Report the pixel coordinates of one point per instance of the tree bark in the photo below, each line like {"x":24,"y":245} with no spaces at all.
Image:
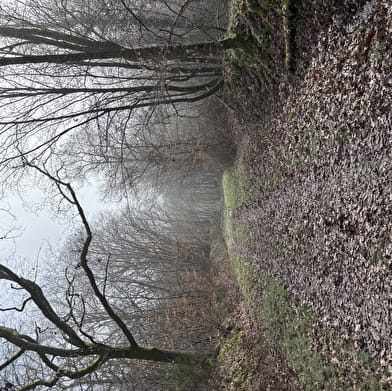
{"x":157,"y":355}
{"x":172,"y":52}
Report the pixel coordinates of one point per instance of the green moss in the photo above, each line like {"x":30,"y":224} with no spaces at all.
{"x":231,"y":344}
{"x":230,"y":191}
{"x":290,"y":15}
{"x":237,"y":371}
{"x":238,"y":185}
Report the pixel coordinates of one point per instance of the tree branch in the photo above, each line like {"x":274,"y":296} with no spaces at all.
{"x":83,"y":257}
{"x":42,"y":303}
{"x":12,"y":359}
{"x":27,"y":343}
{"x":61,"y":372}
{"x":15,"y":308}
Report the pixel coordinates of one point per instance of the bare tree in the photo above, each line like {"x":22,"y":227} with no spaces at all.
{"x":165,"y":146}
{"x":71,"y":352}
{"x":148,"y":261}
{"x":66,"y":68}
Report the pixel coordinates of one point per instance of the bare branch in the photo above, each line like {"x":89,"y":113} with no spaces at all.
{"x":42,"y":303}
{"x":61,"y":372}
{"x":15,"y":308}
{"x":83,"y":257}
{"x":106,"y":273}
{"x":27,"y":343}
{"x":12,"y":359}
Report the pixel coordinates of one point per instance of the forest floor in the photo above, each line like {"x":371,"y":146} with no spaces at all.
{"x":308,"y":220}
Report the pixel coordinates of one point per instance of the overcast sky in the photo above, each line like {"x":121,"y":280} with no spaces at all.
{"x":38,"y":230}
{"x":38,"y":224}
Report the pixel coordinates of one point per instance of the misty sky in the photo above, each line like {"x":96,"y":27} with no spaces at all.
{"x":38,"y":225}
{"x":38,"y":231}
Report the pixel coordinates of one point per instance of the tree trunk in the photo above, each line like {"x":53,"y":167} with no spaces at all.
{"x":157,"y":355}
{"x":173,"y":52}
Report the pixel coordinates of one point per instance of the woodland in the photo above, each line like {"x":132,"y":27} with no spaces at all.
{"x":245,"y":149}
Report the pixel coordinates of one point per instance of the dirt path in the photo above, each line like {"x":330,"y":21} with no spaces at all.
{"x":323,"y":160}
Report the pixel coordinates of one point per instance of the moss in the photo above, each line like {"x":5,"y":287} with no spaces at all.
{"x":232,"y":342}
{"x":237,"y":371}
{"x":238,"y":186}
{"x":290,"y":15}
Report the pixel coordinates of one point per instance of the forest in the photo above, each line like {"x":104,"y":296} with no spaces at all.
{"x":111,"y":92}
{"x":221,"y":172}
